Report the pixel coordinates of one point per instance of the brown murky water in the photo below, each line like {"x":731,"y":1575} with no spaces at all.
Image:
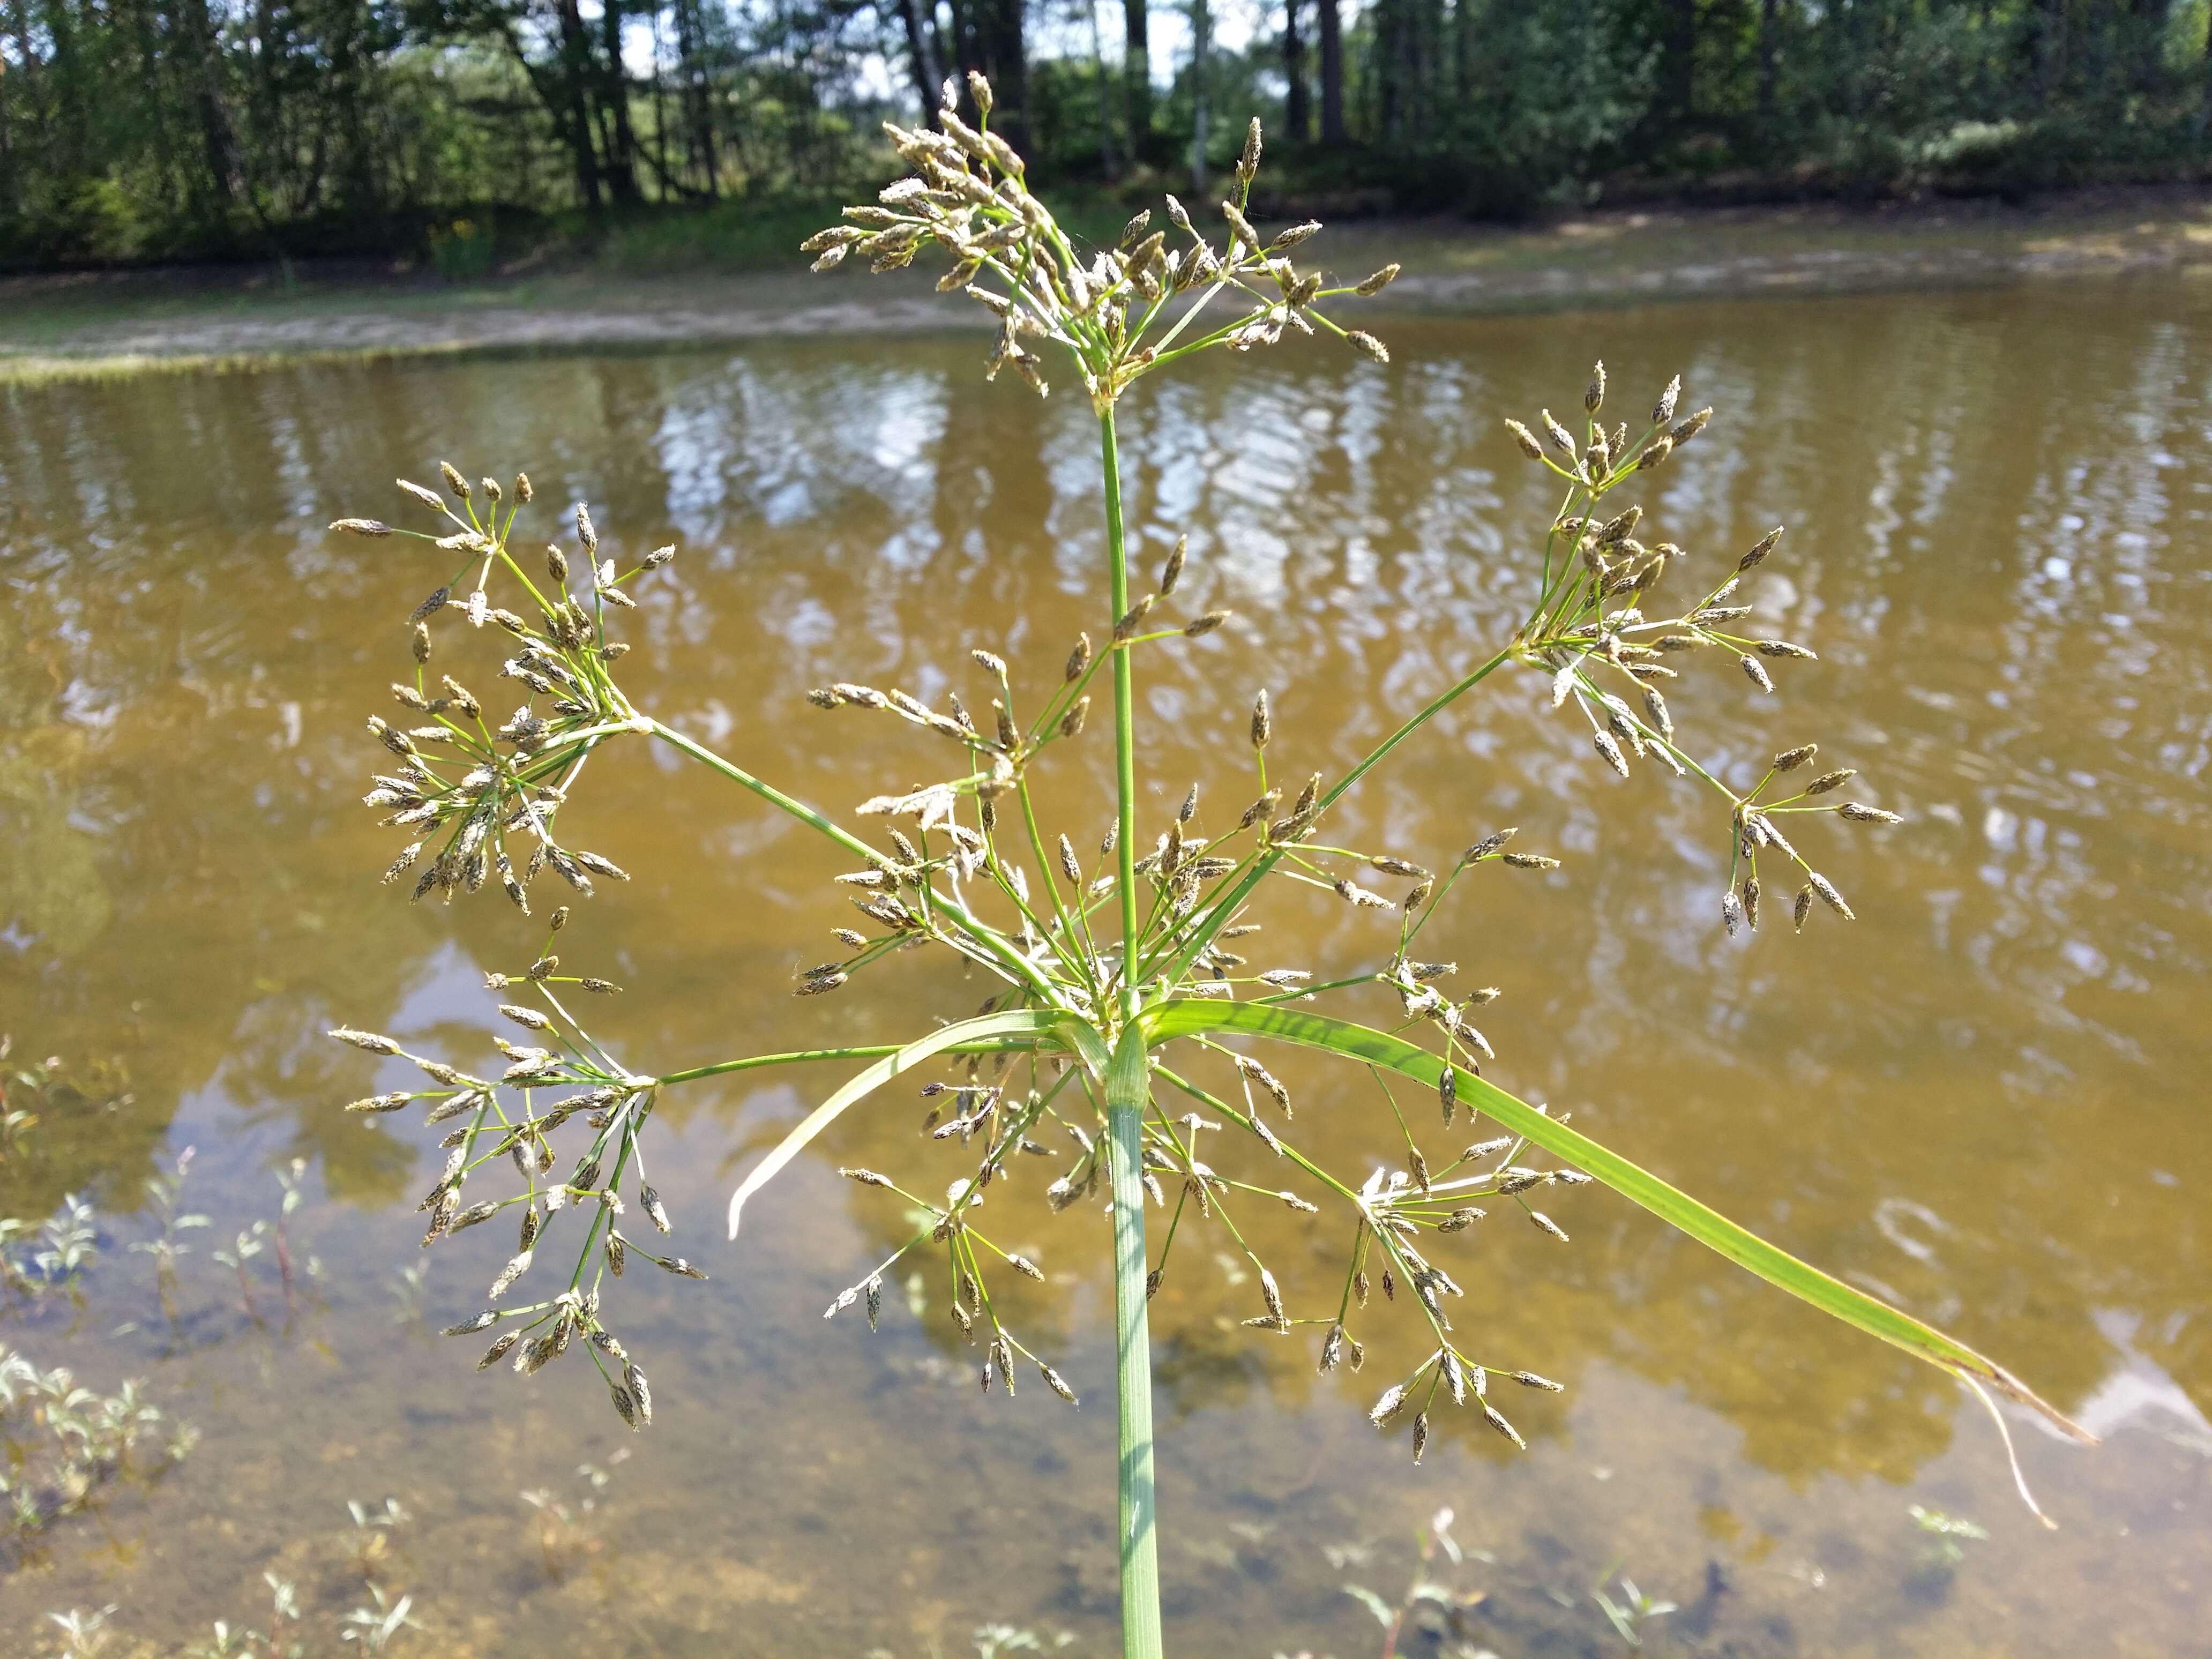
{"x":1984,"y":1100}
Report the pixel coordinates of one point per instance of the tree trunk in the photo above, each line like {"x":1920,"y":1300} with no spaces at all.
{"x":669,"y":183}
{"x":698,"y":97}
{"x":1107,"y":158}
{"x":1679,"y":62}
{"x":2146,"y":48}
{"x":1201,"y":48}
{"x":1769,"y":66}
{"x":1295,"y":113}
{"x":206,"y":73}
{"x":962,"y":59}
{"x":7,"y":134}
{"x":622,"y":138}
{"x":1137,"y":75}
{"x":351,"y":57}
{"x":1332,"y":76}
{"x":2204,"y":97}
{"x":572,"y":110}
{"x":1000,"y":47}
{"x":2050,"y":45}
{"x":922,"y":56}
{"x":1390,"y":69}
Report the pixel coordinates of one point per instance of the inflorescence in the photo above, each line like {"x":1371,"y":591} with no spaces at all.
{"x":965,"y":863}
{"x":1120,"y":313}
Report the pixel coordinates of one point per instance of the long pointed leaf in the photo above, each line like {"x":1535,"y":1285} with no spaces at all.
{"x":991,"y":1031}
{"x":1193,"y":1017}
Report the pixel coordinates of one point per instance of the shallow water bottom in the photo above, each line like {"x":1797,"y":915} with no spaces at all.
{"x":1968,"y":1101}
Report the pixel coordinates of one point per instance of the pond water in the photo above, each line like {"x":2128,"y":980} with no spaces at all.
{"x":1985,"y":1100}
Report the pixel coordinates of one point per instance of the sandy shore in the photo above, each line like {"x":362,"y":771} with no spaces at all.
{"x":72,"y":326}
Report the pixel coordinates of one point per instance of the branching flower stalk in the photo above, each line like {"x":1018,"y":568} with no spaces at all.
{"x":1120,"y":1033}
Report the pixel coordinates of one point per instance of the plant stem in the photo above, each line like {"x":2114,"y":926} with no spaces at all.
{"x":1125,"y":717}
{"x":866,"y":1051}
{"x":1127,"y":1091}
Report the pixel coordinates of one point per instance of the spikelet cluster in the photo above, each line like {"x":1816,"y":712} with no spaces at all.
{"x":1601,"y":636}
{"x":965,"y":866}
{"x":566,"y":1121}
{"x":1158,"y":296}
{"x":477,"y":795}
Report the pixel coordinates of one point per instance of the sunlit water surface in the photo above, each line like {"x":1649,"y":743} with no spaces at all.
{"x":1984,"y":1100}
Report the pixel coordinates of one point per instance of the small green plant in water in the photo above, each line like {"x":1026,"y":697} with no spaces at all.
{"x":244,"y":1249}
{"x":568,"y":1530}
{"x":1431,"y":1604}
{"x":84,"y":1632}
{"x":1128,"y":1021}
{"x":165,"y":1192}
{"x":376,"y":1628}
{"x":373,"y":1529}
{"x":1942,"y":1552}
{"x":1629,"y":1614}
{"x":229,"y":1641}
{"x":62,"y":1444}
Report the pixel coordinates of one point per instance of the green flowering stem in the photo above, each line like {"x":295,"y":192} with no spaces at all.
{"x":1126,"y":1092}
{"x":801,"y":1056}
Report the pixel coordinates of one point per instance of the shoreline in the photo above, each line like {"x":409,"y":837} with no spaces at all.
{"x":103,"y":326}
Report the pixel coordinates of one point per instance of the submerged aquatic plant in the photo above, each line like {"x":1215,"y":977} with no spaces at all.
{"x":1127,"y":1020}
{"x":62,"y":1443}
{"x":1431,"y":1604}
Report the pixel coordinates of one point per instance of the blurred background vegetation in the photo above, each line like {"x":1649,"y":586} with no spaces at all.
{"x":464,"y":136}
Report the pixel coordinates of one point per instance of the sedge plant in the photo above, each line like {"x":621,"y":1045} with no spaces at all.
{"x":1127,"y":1023}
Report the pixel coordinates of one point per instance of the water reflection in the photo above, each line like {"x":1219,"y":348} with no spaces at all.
{"x":1977,"y":1099}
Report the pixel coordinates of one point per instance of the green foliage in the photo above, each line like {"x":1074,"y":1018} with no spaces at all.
{"x":351,"y":126}
{"x":463,"y":249}
{"x":753,"y":233}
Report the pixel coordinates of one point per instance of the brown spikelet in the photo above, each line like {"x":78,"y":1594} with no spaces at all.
{"x":1171,"y":572}
{"x":1760,"y":549}
{"x":1829,"y":896}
